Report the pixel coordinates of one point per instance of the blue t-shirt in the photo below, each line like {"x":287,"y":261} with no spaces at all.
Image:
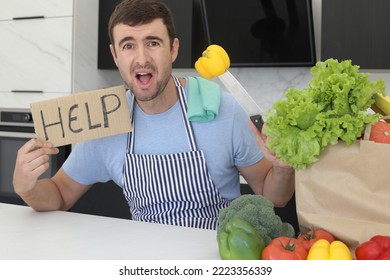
{"x":227,"y":142}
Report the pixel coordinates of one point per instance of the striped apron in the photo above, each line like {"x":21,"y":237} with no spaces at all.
{"x":173,"y":189}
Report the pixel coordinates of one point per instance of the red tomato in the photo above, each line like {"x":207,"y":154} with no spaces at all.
{"x":377,"y":248}
{"x":284,"y":248}
{"x":309,"y":238}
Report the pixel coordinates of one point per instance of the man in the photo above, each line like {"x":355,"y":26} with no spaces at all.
{"x":171,"y":170}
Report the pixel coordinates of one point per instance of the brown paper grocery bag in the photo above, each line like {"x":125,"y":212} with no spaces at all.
{"x":347,"y":192}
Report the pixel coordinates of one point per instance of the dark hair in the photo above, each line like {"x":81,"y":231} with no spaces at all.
{"x":135,"y":12}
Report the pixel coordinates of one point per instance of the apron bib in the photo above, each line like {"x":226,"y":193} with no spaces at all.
{"x":173,"y":189}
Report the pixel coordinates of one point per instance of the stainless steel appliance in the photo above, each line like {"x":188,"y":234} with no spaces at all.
{"x":16,"y":128}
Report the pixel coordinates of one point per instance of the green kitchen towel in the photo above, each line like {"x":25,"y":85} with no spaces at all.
{"x":204,"y":97}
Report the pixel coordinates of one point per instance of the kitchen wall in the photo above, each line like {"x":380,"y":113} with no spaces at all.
{"x":265,"y":85}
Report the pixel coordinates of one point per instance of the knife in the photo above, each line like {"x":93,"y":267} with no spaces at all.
{"x":243,"y":98}
{"x":215,"y":62}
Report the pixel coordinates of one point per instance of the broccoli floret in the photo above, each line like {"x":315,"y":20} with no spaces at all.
{"x":258,"y":211}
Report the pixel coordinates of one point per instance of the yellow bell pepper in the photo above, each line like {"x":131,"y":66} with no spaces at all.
{"x":213,"y":62}
{"x":324,"y":250}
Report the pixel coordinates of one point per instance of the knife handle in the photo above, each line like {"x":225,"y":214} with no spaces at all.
{"x":258,"y":121}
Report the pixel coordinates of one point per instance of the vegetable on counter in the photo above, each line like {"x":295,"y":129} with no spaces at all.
{"x":333,"y":107}
{"x":324,"y":250}
{"x":240,"y":241}
{"x":377,"y":248}
{"x":284,"y":248}
{"x":309,"y":238}
{"x":213,"y":62}
{"x":260,"y":213}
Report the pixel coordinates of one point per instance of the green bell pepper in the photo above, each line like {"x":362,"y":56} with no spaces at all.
{"x":239,"y":242}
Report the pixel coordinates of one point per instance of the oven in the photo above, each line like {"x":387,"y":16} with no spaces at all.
{"x":16,"y":128}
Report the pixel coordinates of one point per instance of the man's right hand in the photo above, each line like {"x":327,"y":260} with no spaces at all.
{"x":31,"y":162}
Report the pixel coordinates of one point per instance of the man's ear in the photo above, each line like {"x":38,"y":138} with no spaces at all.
{"x":175,"y":49}
{"x":113,"y":53}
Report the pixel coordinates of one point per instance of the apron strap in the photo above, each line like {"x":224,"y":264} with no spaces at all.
{"x":187,"y":123}
{"x":130,"y":135}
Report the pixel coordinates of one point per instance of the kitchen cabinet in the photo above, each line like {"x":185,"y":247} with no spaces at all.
{"x":36,"y":49}
{"x":356,"y":30}
{"x":26,"y":8}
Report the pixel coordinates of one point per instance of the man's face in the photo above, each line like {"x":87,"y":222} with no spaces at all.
{"x":144,"y":57}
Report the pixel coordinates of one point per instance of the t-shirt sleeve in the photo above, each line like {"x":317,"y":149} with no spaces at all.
{"x":85,"y":165}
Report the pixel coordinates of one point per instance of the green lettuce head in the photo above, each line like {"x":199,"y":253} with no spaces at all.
{"x":333,"y":107}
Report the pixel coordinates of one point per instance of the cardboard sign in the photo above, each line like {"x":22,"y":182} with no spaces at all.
{"x":82,"y":116}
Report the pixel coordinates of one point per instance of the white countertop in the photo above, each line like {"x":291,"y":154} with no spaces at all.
{"x":26,"y":234}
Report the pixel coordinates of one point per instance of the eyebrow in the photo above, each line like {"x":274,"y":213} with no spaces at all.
{"x":131,"y":38}
{"x":125,"y":39}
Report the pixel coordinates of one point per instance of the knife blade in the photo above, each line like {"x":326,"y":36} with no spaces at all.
{"x":249,"y":105}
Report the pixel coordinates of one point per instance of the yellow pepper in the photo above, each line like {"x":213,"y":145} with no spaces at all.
{"x":213,"y":62}
{"x":324,"y":250}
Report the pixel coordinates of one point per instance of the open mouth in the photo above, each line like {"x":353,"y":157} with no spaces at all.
{"x":144,"y":78}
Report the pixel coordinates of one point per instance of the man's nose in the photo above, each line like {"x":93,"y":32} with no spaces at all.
{"x":142,"y":56}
